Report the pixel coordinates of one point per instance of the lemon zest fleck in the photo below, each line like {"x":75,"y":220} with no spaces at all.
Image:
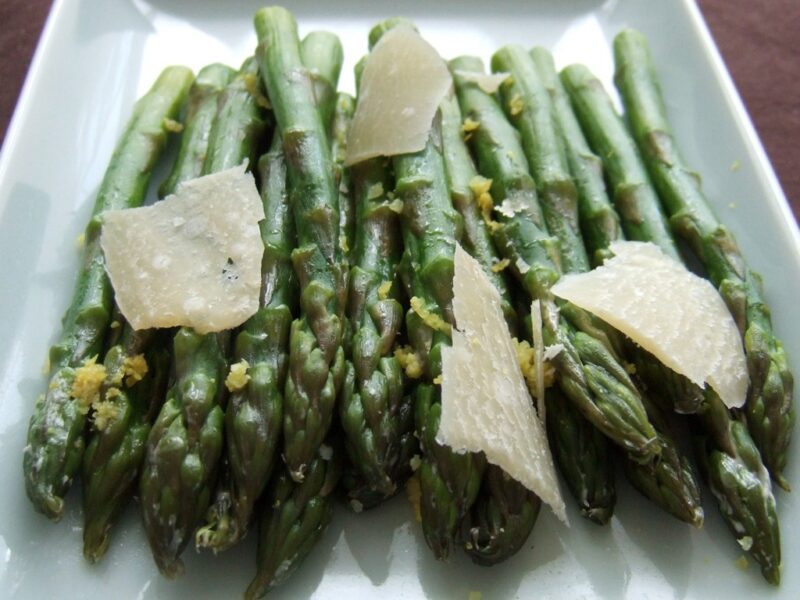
{"x":428,"y":317}
{"x":134,"y":368}
{"x":384,"y":289}
{"x":86,"y":385}
{"x":500,"y":265}
{"x":237,"y":378}
{"x":409,"y":361}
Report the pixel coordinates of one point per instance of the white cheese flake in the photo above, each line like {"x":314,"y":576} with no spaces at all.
{"x":669,"y":311}
{"x":488,"y":83}
{"x":193,"y":259}
{"x":486,"y":406}
{"x":404,"y":81}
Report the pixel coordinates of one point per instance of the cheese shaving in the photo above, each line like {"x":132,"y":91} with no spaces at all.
{"x":672,"y":313}
{"x":238,"y":377}
{"x":403,"y":82}
{"x":486,"y":406}
{"x":538,"y":355}
{"x":193,"y":259}
{"x":515,"y":105}
{"x":489,"y":83}
{"x":173,"y":126}
{"x":428,"y":317}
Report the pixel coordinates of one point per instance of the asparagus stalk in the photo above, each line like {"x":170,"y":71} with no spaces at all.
{"x":185,"y":444}
{"x":572,"y":438}
{"x":504,"y":512}
{"x":345,"y":107}
{"x":201,"y":109}
{"x":599,"y":221}
{"x":634,"y":198}
{"x":316,"y":357}
{"x":253,"y":418}
{"x":589,"y":374}
{"x":55,"y":441}
{"x":449,"y":482}
{"x":668,"y":480}
{"x":728,"y":457}
{"x":131,"y":397}
{"x":377,"y":417}
{"x":322,"y":54}
{"x":527,"y":106}
{"x":115,"y":452}
{"x":769,"y":409}
{"x":295,"y":516}
{"x":476,"y":238}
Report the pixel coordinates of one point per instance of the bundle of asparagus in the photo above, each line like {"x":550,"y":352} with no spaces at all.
{"x":335,"y":381}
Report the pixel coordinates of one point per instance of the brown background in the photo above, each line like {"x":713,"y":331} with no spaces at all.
{"x":759,"y":40}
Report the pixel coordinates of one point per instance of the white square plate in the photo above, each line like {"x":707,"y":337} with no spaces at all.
{"x":96,"y":58}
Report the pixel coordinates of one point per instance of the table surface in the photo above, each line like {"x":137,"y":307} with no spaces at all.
{"x":757,"y":39}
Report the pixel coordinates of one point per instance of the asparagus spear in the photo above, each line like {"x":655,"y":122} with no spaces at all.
{"x":295,"y":516}
{"x":115,"y":453}
{"x":316,"y":357}
{"x":322,"y":54}
{"x":185,"y":443}
{"x":634,"y":198}
{"x":253,"y":418}
{"x":55,"y":441}
{"x":589,"y":374}
{"x":476,"y":238}
{"x":137,"y":365}
{"x":201,"y":109}
{"x":528,"y":107}
{"x":345,"y":107}
{"x":504,"y":512}
{"x":449,"y":482}
{"x":730,"y":463}
{"x":668,"y":480}
{"x":769,"y":409}
{"x":376,"y":417}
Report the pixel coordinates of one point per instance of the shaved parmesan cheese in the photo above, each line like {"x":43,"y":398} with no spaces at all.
{"x":404,"y":81}
{"x":670,"y":312}
{"x":488,"y":83}
{"x":485,"y":402}
{"x":193,"y":259}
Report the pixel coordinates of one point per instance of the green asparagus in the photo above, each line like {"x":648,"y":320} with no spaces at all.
{"x":295,"y":516}
{"x":137,"y":365}
{"x":316,"y":357}
{"x":589,"y":373}
{"x":669,"y":479}
{"x":731,"y":464}
{"x":769,"y":409}
{"x":185,"y":444}
{"x":253,"y":417}
{"x":201,"y":109}
{"x":376,"y":417}
{"x":527,"y":106}
{"x":322,"y":54}
{"x":504,"y":512}
{"x":55,"y":441}
{"x":634,"y":198}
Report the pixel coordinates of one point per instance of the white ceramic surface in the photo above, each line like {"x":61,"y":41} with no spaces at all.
{"x":95,"y":58}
